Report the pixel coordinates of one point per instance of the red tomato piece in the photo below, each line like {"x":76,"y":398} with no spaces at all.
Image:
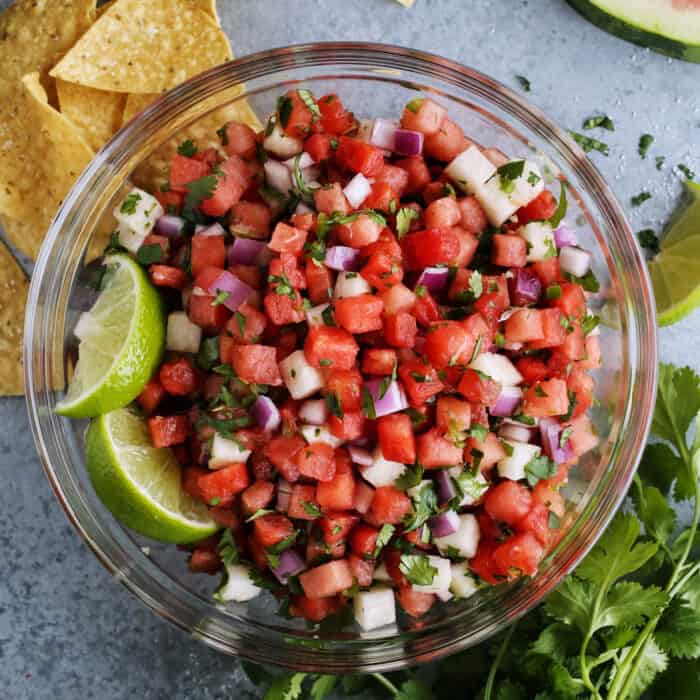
{"x":316,"y":461}
{"x":335,"y":119}
{"x":479,"y":388}
{"x":318,"y":146}
{"x":452,"y":414}
{"x":362,"y":570}
{"x":420,"y":381}
{"x":389,"y":505}
{"x":508,"y":502}
{"x":415,"y":603}
{"x":339,"y":493}
{"x":336,"y":526}
{"x":540,"y":208}
{"x":430,"y":247}
{"x":327,"y":580}
{"x":434,"y":450}
{"x":314,"y":610}
{"x":151,"y":395}
{"x":207,"y":251}
{"x":257,"y":496}
{"x":448,"y":344}
{"x":271,"y":529}
{"x":219,"y":487}
{"x":184,"y":170}
{"x":287,"y":239}
{"x":230,"y":186}
{"x":302,"y":502}
{"x":524,"y":326}
{"x":423,"y":115}
{"x":508,"y":250}
{"x":447,"y":142}
{"x":256,"y":364}
{"x":400,"y":330}
{"x":238,"y":140}
{"x":327,"y":346}
{"x":360,"y":314}
{"x":546,"y":398}
{"x":282,"y":452}
{"x":166,"y":431}
{"x":282,"y":309}
{"x":359,"y":157}
{"x":378,"y":361}
{"x":396,"y":438}
{"x":521,"y":553}
{"x":178,"y":377}
{"x":168,"y":276}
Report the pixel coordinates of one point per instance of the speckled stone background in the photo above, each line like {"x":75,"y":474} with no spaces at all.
{"x":70,"y":632}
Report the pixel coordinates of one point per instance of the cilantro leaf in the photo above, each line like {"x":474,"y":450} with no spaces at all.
{"x":334,"y":407}
{"x":228,"y":551}
{"x":417,"y":569}
{"x":149,"y":254}
{"x":509,"y":173}
{"x":654,"y":511}
{"x":425,"y":505}
{"x":645,"y":141}
{"x":589,"y":144}
{"x":308,"y":99}
{"x":687,"y":172}
{"x":653,"y":662}
{"x":311,"y":509}
{"x":208,"y":353}
{"x":560,"y":211}
{"x":563,"y":683}
{"x":539,"y":468}
{"x":286,"y":687}
{"x":413,"y":690}
{"x":410,"y":478}
{"x":404,"y":217}
{"x":599,"y":121}
{"x":187,"y":148}
{"x":677,"y":403}
{"x":524,"y":83}
{"x":660,"y":466}
{"x":130,"y":203}
{"x":197,"y":192}
{"x":678,"y":631}
{"x":640,"y":198}
{"x":617,"y":553}
{"x":572,"y":602}
{"x":368,"y":407}
{"x":284,"y":109}
{"x":628,"y":603}
{"x":648,"y":239}
{"x":383,"y":538}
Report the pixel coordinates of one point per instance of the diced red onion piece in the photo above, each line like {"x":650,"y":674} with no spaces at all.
{"x":278,"y":176}
{"x":314,"y":412}
{"x":446,"y":523}
{"x":245,"y":251}
{"x":284,"y":493}
{"x":564,"y":235}
{"x":306,"y":161}
{"x":357,"y":190}
{"x":507,"y":402}
{"x":550,"y":432}
{"x":434,"y":279}
{"x":266,"y":414}
{"x":525,"y":287}
{"x":514,"y":432}
{"x":215,"y":229}
{"x":170,"y":226}
{"x":383,"y":133}
{"x":575,"y":261}
{"x":238,"y":292}
{"x":360,"y":456}
{"x":290,"y":564}
{"x":343,"y":258}
{"x":393,"y":400}
{"x":445,"y":486}
{"x":408,"y":143}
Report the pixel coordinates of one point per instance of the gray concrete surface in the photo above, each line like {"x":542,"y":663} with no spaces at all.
{"x":67,"y":630}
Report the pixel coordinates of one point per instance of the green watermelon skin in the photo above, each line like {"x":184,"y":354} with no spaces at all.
{"x":636,"y":34}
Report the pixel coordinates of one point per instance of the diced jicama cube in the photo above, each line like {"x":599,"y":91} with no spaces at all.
{"x":138,"y":212}
{"x":463,"y":583}
{"x":225,"y":451}
{"x":281,"y":145}
{"x":497,"y":367}
{"x":465,"y":540}
{"x":512,"y":466}
{"x":350,"y":284}
{"x":442,"y":579}
{"x":314,"y":315}
{"x":300,"y":377}
{"x":182,"y":335}
{"x":314,"y":412}
{"x":470,"y":169}
{"x":319,"y":433}
{"x":375,"y":608}
{"x":495,"y":202}
{"x":382,"y":472}
{"x":540,"y":240}
{"x":527,"y":186}
{"x":238,"y":586}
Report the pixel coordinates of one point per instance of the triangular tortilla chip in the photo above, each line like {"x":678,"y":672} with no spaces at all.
{"x":41,"y":155}
{"x":96,"y":113}
{"x":13,"y":292}
{"x":142,"y":47}
{"x":34,"y":34}
{"x":155,"y":169}
{"x":137,"y":103}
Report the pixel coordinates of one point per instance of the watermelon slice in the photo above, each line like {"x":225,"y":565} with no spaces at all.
{"x":671,"y":27}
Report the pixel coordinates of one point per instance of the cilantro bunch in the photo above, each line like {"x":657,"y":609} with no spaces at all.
{"x":626,"y":621}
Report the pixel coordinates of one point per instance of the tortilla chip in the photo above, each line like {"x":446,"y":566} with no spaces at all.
{"x":140,"y":47}
{"x":38,"y":165}
{"x":104,"y":7}
{"x":34,"y":35}
{"x":154,"y":171}
{"x":137,"y":103}
{"x":22,"y":235}
{"x":208,"y":6}
{"x":13,"y":291}
{"x":96,"y":113}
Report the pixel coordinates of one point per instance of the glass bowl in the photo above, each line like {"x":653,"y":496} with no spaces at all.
{"x":373,"y":80}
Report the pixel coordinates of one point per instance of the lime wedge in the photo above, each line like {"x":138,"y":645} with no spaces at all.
{"x":675,"y":271}
{"x":121,"y":342}
{"x":140,"y":484}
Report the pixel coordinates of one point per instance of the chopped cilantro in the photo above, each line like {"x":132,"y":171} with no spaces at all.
{"x":687,"y":172}
{"x":645,"y":141}
{"x":187,"y":148}
{"x":417,"y":569}
{"x":589,"y":281}
{"x":648,"y":239}
{"x":553,"y":521}
{"x":284,"y":109}
{"x":414,"y":105}
{"x":227,"y":549}
{"x":478,"y":432}
{"x":221,"y":297}
{"x":197,"y":192}
{"x":149,"y":254}
{"x":240,"y":322}
{"x":383,"y":538}
{"x":560,"y":212}
{"x":553,"y":291}
{"x":222,"y":133}
{"x":524,"y":83}
{"x":283,"y":286}
{"x":533,"y":178}
{"x":307,"y":98}
{"x":589,"y":323}
{"x":420,"y":291}
{"x":311,"y":509}
{"x":403,"y":220}
{"x":539,"y":468}
{"x":325,"y":363}
{"x":588,"y":144}
{"x":599,"y":121}
{"x":410,"y":478}
{"x":368,"y":407}
{"x":130,"y":202}
{"x":660,"y":160}
{"x":334,"y":406}
{"x":208,"y":353}
{"x":509,"y":173}
{"x":258,"y":514}
{"x":640,"y":198}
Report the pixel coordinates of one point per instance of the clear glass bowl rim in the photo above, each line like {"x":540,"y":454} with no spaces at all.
{"x":258,"y":642}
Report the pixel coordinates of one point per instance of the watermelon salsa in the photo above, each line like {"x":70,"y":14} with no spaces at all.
{"x":378,"y":354}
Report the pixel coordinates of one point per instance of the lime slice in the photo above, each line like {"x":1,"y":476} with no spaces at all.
{"x":675,"y":271}
{"x":121,"y":342}
{"x":140,"y":484}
